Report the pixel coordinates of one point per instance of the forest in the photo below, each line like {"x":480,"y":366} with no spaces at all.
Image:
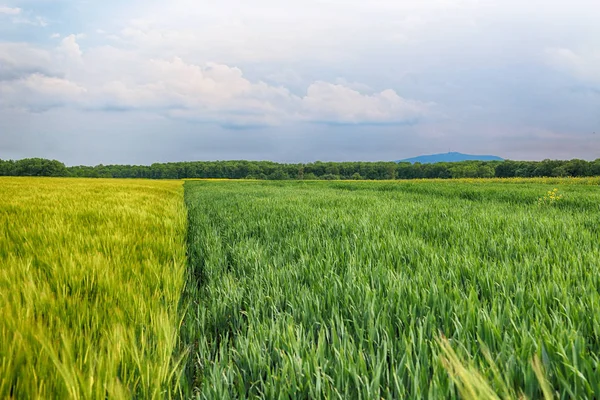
{"x":267,"y":170}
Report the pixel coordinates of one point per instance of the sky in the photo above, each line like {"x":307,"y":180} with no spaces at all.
{"x":137,"y":82}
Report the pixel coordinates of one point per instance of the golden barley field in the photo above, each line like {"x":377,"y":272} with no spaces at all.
{"x":91,"y":273}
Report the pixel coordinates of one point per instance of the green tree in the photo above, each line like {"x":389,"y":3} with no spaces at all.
{"x":278,"y":175}
{"x":330,"y":177}
{"x":39,"y":167}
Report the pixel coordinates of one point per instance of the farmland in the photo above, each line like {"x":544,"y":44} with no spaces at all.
{"x":91,"y":272}
{"x":299,"y":289}
{"x":343,"y":290}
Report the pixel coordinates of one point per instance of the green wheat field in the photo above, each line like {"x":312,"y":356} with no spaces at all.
{"x":299,"y":290}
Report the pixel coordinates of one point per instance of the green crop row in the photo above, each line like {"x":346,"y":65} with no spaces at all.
{"x":343,"y":290}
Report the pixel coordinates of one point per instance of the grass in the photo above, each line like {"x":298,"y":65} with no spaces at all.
{"x":423,"y":289}
{"x":91,"y":273}
{"x":393,"y":289}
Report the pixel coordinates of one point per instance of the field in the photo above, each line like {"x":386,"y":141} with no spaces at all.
{"x":91,"y":273}
{"x":300,"y":289}
{"x":344,"y":290}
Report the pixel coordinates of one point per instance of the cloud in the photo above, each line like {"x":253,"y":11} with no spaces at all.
{"x":268,"y":30}
{"x":584,"y":65}
{"x":430,"y":73}
{"x":109,"y":78}
{"x":18,"y":60}
{"x":35,"y":21}
{"x":70,"y":48}
{"x":218,"y":91}
{"x":337,"y":103}
{"x":19,"y":17}
{"x":37,"y":92}
{"x":202,"y":92}
{"x":9,"y":10}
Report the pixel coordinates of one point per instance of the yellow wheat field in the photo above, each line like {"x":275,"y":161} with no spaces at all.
{"x":90,"y":277}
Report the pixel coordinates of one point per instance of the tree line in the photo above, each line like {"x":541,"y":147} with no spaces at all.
{"x":316,"y":170}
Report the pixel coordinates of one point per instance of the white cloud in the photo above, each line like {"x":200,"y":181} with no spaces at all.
{"x":50,"y":86}
{"x":337,"y":103}
{"x":240,"y":63}
{"x":39,"y":92}
{"x":9,"y":10}
{"x":18,"y":60}
{"x":208,"y":92}
{"x":267,"y":30}
{"x":585,"y":65}
{"x":70,"y":48}
{"x":220,"y":91}
{"x":36,"y":21}
{"x":107,"y":78}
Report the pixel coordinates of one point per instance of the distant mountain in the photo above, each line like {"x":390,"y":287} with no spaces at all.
{"x":450,"y":157}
